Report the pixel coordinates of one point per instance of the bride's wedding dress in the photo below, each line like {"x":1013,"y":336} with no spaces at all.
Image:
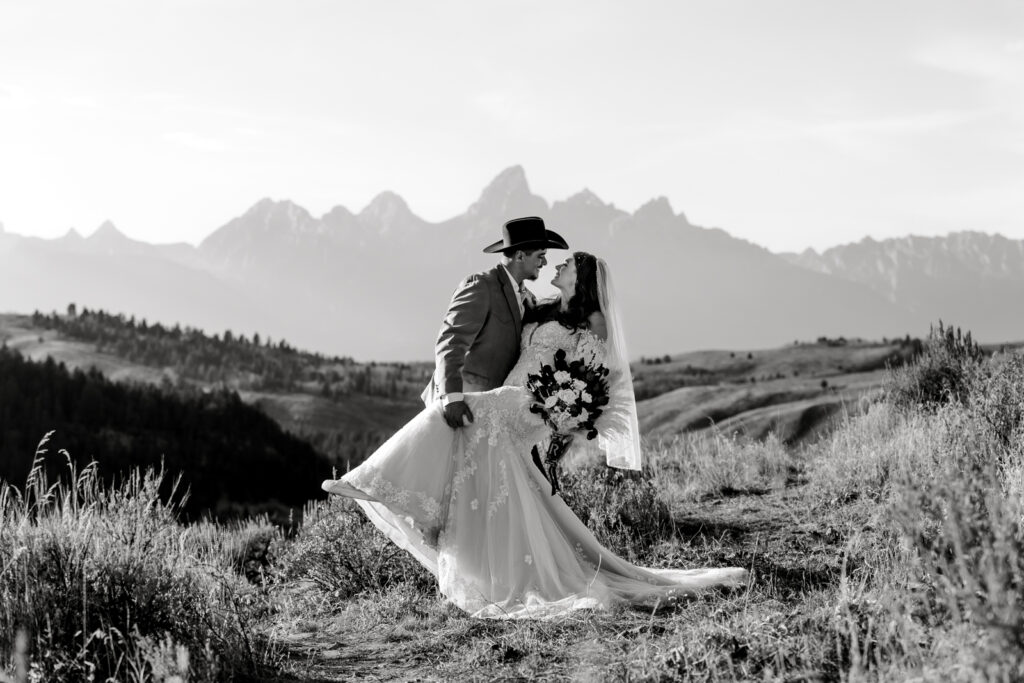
{"x":473,"y":508}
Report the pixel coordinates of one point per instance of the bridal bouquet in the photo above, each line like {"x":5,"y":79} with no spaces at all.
{"x":569,"y":398}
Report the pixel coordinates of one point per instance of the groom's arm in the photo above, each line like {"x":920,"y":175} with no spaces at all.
{"x":461,"y":325}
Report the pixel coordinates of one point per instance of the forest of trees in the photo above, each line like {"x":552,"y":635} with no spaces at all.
{"x":234,"y":459}
{"x":233,"y":360}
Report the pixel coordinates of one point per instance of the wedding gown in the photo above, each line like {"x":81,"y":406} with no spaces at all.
{"x":472,"y":507}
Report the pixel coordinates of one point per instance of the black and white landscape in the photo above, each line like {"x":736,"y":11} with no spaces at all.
{"x":374,"y":284}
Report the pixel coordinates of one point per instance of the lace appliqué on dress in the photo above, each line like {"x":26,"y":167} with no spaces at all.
{"x":503,"y":416}
{"x":540,"y":342}
{"x":429,"y":513}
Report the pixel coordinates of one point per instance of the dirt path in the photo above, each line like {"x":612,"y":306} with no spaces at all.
{"x":415,"y":638}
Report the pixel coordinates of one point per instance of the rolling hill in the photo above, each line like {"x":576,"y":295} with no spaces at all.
{"x":345,"y":409}
{"x":793,"y":391}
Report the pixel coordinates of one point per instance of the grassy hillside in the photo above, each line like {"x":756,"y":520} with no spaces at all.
{"x":794,"y":408}
{"x":823,"y":359}
{"x":345,"y":409}
{"x":891,"y":550}
{"x":794,"y":392}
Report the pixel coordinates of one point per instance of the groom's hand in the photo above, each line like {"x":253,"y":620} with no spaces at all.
{"x":455,"y":413}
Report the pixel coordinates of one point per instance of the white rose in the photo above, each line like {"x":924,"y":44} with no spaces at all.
{"x":562,"y":377}
{"x":586,"y":398}
{"x":550,"y":401}
{"x":567,"y":395}
{"x":579,"y":385}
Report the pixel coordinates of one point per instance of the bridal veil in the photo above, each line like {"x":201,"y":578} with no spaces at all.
{"x":618,"y":427}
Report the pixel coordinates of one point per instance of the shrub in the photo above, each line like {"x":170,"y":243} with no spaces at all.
{"x":623,"y":508}
{"x":943,"y":372}
{"x":998,"y":395}
{"x":342,"y":552}
{"x":246,"y":546}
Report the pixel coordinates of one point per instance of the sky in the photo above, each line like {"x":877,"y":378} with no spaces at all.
{"x":792,"y":124}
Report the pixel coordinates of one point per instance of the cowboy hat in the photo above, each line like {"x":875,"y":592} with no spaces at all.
{"x":527,"y":233}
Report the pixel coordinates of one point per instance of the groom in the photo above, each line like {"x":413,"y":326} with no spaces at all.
{"x":479,"y":339}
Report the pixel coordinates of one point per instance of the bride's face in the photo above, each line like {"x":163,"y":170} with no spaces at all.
{"x":565,"y":276}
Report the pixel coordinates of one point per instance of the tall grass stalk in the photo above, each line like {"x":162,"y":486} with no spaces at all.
{"x":101,"y":582}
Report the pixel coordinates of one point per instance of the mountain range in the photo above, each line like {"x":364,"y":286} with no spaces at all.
{"x":375,"y":284}
{"x":972,"y":279}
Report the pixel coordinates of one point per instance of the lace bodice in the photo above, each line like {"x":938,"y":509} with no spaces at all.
{"x":540,"y":342}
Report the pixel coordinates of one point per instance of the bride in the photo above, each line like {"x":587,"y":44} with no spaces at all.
{"x":472,"y":507}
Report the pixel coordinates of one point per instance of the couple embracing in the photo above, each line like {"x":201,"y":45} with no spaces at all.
{"x":457,"y":486}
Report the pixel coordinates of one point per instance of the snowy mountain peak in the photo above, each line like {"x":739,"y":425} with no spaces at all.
{"x":337,"y":214}
{"x":510,"y":181}
{"x":656,"y":211}
{"x":339,"y":221}
{"x":506,"y":197}
{"x":585,"y":198}
{"x":386,"y":204}
{"x":387,"y":211}
{"x":283,"y":217}
{"x":107,"y":233}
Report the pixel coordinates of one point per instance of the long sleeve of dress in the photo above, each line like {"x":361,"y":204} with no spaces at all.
{"x":618,"y":435}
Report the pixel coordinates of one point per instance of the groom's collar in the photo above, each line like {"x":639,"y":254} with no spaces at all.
{"x":515,"y":285}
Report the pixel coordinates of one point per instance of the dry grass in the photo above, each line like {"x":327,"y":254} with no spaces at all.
{"x":99,"y":583}
{"x":892,"y":550}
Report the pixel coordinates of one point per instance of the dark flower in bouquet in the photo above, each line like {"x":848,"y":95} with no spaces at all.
{"x":569,"y":397}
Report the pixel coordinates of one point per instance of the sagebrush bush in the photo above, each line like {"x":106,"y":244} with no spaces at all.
{"x":247,"y":546}
{"x":103,"y":583}
{"x":340,"y":550}
{"x":943,"y":372}
{"x":998,"y":395}
{"x":624,"y":509}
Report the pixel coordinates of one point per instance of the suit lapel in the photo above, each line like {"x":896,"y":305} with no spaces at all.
{"x":512,"y":298}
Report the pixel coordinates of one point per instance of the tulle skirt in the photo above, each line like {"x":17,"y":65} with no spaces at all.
{"x":471,"y":506}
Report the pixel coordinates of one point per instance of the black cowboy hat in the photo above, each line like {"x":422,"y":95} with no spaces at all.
{"x":527,"y":233}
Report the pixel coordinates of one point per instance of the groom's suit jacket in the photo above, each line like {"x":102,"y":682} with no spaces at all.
{"x":479,"y":339}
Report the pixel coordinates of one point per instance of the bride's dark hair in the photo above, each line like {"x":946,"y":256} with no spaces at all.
{"x":582,"y":303}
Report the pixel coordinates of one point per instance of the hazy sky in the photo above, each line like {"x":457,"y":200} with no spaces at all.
{"x":790,"y":124}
